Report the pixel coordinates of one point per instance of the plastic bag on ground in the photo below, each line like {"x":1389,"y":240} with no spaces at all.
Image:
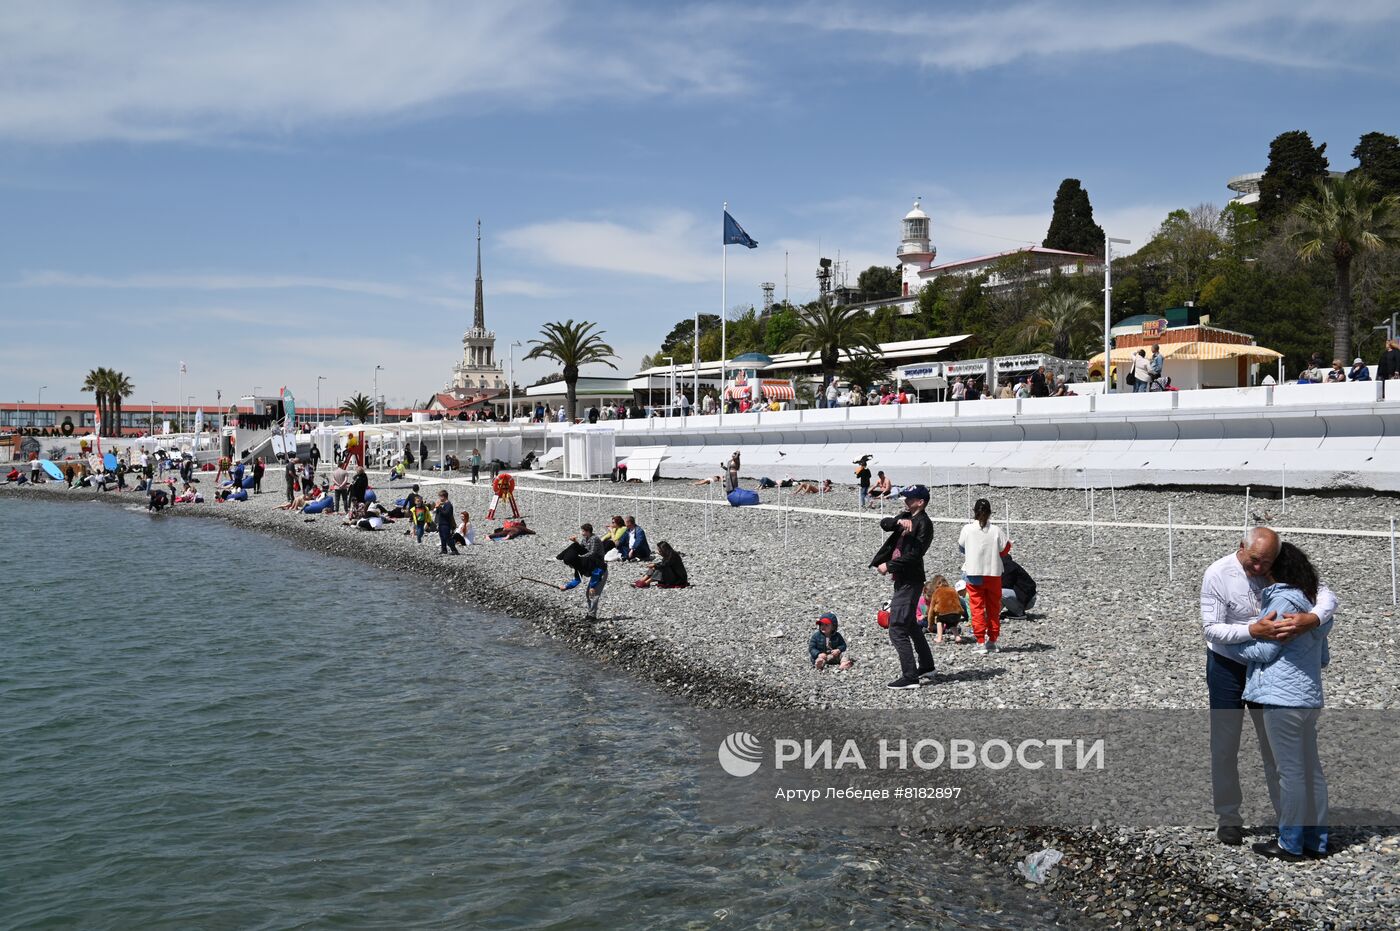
{"x":1036,"y":867}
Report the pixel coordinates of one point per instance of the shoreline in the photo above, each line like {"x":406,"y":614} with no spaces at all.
{"x":1119,"y":877}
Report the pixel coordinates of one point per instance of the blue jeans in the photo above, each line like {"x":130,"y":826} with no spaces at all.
{"x":1225,"y":684}
{"x":1302,"y":798}
{"x":1140,"y":386}
{"x":418,"y":530}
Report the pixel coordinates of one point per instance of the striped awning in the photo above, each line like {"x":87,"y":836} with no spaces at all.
{"x":736,"y":391}
{"x":779,"y":392}
{"x":1196,"y":351}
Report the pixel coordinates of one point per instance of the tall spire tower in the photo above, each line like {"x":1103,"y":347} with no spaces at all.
{"x":479,"y":317}
{"x":478,"y":371}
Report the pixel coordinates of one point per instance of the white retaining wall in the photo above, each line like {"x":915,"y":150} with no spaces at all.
{"x":1304,"y":436}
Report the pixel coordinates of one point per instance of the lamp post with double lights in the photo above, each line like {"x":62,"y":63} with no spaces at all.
{"x":1108,"y":310}
{"x":377,"y":370}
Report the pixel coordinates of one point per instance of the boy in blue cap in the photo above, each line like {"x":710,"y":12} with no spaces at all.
{"x":826,"y":646}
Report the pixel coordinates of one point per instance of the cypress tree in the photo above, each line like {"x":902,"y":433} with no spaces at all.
{"x":1295,"y":167}
{"x":1072,"y":226}
{"x":1379,"y":155}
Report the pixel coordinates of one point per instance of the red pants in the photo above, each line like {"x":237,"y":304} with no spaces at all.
{"x":984,"y":604}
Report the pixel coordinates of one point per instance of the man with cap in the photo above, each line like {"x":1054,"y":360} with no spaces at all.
{"x":902,"y":559}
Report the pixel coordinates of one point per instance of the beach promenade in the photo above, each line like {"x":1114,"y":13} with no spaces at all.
{"x":1111,"y":630}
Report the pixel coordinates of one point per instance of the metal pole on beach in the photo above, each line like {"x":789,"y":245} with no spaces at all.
{"x":1171,"y":545}
{"x":1392,"y":562}
{"x":1246,"y":509}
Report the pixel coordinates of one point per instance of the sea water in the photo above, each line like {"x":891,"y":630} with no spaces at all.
{"x":207,"y":728}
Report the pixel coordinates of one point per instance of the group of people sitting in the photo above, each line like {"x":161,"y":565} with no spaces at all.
{"x":588,"y":554}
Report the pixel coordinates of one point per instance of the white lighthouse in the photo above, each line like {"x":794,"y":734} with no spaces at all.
{"x":916,"y":251}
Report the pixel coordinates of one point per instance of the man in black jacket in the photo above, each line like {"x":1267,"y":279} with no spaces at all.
{"x":1390,"y":361}
{"x":1017,"y":588}
{"x":902,"y":559}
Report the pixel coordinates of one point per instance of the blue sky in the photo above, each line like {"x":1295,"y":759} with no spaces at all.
{"x":272,"y":192}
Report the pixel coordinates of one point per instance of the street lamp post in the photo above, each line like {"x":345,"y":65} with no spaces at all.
{"x":510,"y":391}
{"x":189,"y":406}
{"x":377,"y":370}
{"x":153,"y":418}
{"x":319,"y":379}
{"x":33,"y":421}
{"x":1108,"y":310}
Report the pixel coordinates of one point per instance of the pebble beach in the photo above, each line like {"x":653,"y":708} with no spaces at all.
{"x":1115,"y":626}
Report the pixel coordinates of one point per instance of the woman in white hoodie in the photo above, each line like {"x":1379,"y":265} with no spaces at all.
{"x":982,"y":544}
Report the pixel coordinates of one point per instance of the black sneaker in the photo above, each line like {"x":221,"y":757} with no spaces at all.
{"x":903,"y":683}
{"x":1315,"y":854}
{"x":1273,"y":851}
{"x":925,"y":676}
{"x":1231,"y":835}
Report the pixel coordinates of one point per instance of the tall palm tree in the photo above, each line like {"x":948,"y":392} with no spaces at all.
{"x":827,"y":331}
{"x":1343,"y":218}
{"x":865,"y":369}
{"x":96,"y":382}
{"x":1059,"y":322}
{"x":359,"y":407}
{"x":571,"y":345}
{"x":118,"y":387}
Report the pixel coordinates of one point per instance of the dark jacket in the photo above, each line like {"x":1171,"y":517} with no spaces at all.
{"x":908,"y":567}
{"x":358,"y":486}
{"x":1390,"y":364}
{"x":671,"y":572}
{"x":640,"y":550}
{"x":443,"y":515}
{"x":1018,"y":580}
{"x":820,"y":643}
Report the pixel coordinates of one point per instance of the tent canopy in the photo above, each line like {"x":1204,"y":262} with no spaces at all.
{"x":1196,"y":351}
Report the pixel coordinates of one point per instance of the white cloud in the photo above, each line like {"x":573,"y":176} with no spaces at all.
{"x":185,"y":70}
{"x":1287,"y":33}
{"x":669,"y":246}
{"x":239,"y":282}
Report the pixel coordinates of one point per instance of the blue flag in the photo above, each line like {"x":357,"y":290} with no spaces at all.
{"x":734,"y":234}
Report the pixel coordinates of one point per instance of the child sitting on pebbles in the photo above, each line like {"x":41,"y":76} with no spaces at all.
{"x":941,"y":609}
{"x":827,"y":647}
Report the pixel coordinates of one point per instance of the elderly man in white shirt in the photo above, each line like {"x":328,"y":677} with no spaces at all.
{"x":1230,"y":609}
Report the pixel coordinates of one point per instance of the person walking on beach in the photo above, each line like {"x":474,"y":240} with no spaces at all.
{"x":1231,"y":612}
{"x":290,"y":474}
{"x":259,"y":467}
{"x":902,"y":559}
{"x":423,"y":453}
{"x":1283,"y":689}
{"x":315,"y":456}
{"x":476,"y":464}
{"x":443,"y":516}
{"x":236,"y":475}
{"x":983,"y":544}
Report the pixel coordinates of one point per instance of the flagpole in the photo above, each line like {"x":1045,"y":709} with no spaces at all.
{"x":723,"y":317}
{"x":695,"y":361}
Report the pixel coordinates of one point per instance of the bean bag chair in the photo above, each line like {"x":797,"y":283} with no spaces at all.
{"x":740,"y":497}
{"x":400,"y":501}
{"x":370,"y":496}
{"x":239,"y":495}
{"x":317,"y":506}
{"x":226,"y":483}
{"x":248,"y":482}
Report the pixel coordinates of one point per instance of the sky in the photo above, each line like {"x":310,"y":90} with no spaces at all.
{"x":285,"y":194}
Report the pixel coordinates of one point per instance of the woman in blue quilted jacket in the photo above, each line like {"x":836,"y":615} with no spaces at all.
{"x":1284,"y":685}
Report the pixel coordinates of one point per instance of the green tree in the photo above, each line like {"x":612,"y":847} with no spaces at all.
{"x":119,"y":388}
{"x":865,"y":369}
{"x":1062,"y":320}
{"x":1072,"y":226}
{"x":827,"y":332}
{"x":358,"y":408}
{"x":96,"y":382}
{"x":677,"y":342}
{"x":1379,"y":157}
{"x":1344,"y":218}
{"x":1295,"y":166}
{"x":780,"y":327}
{"x":572,"y":345}
{"x":933,"y":308}
{"x":878,"y":282}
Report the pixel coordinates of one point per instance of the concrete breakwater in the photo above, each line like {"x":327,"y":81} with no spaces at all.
{"x":1116,"y":636}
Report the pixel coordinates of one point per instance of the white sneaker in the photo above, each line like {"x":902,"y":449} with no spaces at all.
{"x":981,"y":649}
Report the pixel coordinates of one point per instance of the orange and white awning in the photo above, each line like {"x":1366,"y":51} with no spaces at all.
{"x":735,"y":392}
{"x":779,"y":392}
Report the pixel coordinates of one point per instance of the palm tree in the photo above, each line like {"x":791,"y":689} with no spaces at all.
{"x":96,"y":382}
{"x":359,"y":408}
{"x":118,"y":387}
{"x":828,"y":332}
{"x":865,"y":368}
{"x":571,"y":345}
{"x":1345,"y":217}
{"x":1058,"y":323}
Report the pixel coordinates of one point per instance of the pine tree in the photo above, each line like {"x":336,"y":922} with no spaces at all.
{"x":1295,"y":167}
{"x":1379,"y":155}
{"x":1072,"y":226}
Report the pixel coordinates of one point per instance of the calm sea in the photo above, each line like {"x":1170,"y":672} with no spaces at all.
{"x":206,"y":728}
